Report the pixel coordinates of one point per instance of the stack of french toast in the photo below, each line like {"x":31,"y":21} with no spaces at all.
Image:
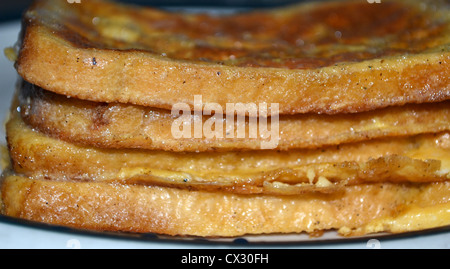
{"x":307,"y":118}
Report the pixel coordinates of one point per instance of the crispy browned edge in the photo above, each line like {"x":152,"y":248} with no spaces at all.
{"x":138,"y":77}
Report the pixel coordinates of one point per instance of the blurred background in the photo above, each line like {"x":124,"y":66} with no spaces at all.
{"x":12,"y":9}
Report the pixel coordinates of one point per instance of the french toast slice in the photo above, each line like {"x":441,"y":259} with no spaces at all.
{"x":328,"y":57}
{"x":117,"y":125}
{"x":415,"y":159}
{"x":360,"y":210}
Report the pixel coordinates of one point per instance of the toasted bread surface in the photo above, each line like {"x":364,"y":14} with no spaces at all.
{"x":368,"y":81}
{"x":119,"y":126}
{"x":422,"y":158}
{"x":327,"y":57}
{"x":359,"y":210}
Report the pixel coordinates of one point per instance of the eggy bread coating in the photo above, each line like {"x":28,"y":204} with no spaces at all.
{"x":327,"y":57}
{"x":117,"y":125}
{"x":360,"y":210}
{"x":422,"y":158}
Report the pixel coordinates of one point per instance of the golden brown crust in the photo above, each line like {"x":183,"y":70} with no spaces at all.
{"x":134,"y":208}
{"x":402,"y":62}
{"x":326,"y":58}
{"x":129,"y":126}
{"x":412,"y":159}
